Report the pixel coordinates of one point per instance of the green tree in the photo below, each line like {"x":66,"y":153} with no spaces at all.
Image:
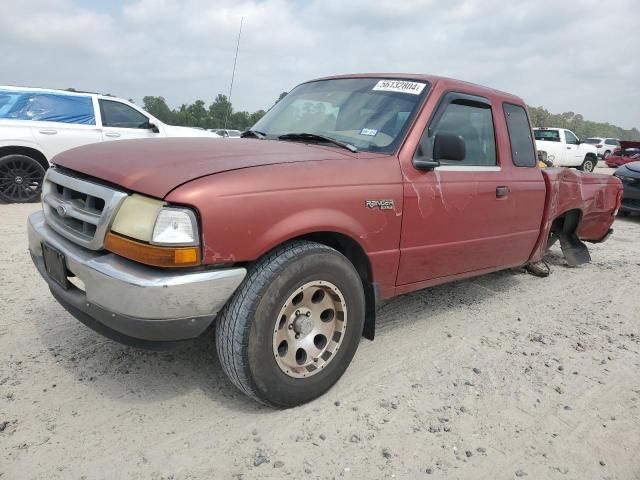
{"x":282,"y":95}
{"x":219,"y":110}
{"x":157,"y":106}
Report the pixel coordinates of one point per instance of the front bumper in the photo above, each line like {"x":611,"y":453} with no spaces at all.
{"x":129,"y":302}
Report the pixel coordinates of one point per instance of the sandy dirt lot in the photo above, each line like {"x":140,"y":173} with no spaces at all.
{"x":503,"y":376}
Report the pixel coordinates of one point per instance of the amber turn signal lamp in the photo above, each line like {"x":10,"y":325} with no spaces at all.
{"x":152,"y":254}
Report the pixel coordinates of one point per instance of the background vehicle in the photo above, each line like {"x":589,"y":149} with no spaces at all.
{"x":37,"y":124}
{"x":628,"y":152}
{"x":605,"y":146}
{"x":227,"y":133}
{"x":563,"y":148}
{"x":629,"y":174}
{"x":352,"y":190}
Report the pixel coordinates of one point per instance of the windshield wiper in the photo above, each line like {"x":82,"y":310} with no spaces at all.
{"x":254,"y":134}
{"x":317,"y":138}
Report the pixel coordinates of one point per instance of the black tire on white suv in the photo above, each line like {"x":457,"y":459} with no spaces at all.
{"x":20,"y":178}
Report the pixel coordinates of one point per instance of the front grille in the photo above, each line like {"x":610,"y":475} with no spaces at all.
{"x":80,"y":210}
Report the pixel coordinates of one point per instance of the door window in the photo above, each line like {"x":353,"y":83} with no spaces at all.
{"x":119,"y":115}
{"x":520,"y":137}
{"x":570,"y":138}
{"x":474,"y":123}
{"x":611,"y":141}
{"x":46,"y":107}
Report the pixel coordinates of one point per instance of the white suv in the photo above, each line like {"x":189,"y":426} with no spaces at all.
{"x":37,"y":124}
{"x":605,"y":146}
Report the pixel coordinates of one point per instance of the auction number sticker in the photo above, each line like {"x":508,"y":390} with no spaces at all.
{"x":402,"y":86}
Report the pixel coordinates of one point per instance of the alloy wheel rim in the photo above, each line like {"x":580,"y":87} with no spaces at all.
{"x":309,"y":329}
{"x":20,"y":180}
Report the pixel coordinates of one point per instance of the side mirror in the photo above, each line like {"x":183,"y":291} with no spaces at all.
{"x":450,"y":147}
{"x":446,"y":146}
{"x":153,"y":127}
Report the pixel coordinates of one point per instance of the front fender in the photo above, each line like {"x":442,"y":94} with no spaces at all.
{"x":247,"y":212}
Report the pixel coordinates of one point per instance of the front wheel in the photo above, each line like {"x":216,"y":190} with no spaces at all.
{"x":293,"y":326}
{"x":20,"y":179}
{"x":589,"y":164}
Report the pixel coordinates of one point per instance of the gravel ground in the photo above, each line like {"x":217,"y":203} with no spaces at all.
{"x":503,"y":376}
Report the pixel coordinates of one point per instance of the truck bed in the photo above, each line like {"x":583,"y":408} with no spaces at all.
{"x":573,"y":190}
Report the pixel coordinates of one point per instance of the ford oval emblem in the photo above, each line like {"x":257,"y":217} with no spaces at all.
{"x":62,"y":210}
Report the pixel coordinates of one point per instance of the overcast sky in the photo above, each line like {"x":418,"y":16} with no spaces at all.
{"x":581,"y":56}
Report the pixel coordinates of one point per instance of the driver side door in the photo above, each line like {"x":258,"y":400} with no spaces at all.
{"x":458,"y":216}
{"x":120,"y":121}
{"x":574,"y":154}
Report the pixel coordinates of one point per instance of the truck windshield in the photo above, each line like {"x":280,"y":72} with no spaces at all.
{"x":371,"y":114}
{"x":548,"y":135}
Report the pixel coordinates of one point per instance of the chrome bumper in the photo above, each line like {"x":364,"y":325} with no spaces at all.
{"x":123,"y":298}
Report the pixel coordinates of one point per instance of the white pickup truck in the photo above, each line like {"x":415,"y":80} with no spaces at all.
{"x":37,"y":124}
{"x":563,"y":149}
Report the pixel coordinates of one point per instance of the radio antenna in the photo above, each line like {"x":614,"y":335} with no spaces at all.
{"x":233,"y":74}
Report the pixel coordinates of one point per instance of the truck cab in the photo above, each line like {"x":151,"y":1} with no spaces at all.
{"x":564,"y":149}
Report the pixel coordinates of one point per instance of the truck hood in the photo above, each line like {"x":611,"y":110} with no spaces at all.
{"x":156,"y":166}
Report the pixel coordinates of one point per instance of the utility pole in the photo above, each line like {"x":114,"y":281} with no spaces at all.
{"x":233,"y":74}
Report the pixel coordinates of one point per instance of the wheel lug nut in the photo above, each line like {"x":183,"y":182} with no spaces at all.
{"x":297,"y":335}
{"x":308,"y":314}
{"x":291,"y":326}
{"x":297,"y":312}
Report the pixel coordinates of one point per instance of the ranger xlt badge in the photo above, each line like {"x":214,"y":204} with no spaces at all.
{"x":381,"y":204}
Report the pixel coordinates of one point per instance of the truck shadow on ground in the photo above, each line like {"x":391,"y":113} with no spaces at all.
{"x":134,"y":376}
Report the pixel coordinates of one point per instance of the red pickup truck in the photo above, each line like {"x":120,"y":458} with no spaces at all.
{"x":349,"y":191}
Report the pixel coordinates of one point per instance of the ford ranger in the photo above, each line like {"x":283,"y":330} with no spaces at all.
{"x":349,"y":191}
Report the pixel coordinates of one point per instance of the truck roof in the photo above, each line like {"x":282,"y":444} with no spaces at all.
{"x":449,"y":83}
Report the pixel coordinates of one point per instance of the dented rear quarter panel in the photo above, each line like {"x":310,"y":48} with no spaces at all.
{"x":247,"y":212}
{"x":593,"y":195}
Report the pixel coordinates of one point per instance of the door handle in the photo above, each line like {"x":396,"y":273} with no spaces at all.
{"x":112,"y":134}
{"x":502,"y":192}
{"x":48,"y":131}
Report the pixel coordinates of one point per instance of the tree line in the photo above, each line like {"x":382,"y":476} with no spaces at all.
{"x":221,"y":111}
{"x":219,"y":114}
{"x":540,"y":117}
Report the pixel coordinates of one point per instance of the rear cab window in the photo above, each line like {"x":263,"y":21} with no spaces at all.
{"x":547,"y":135}
{"x":520,"y":137}
{"x":46,"y":107}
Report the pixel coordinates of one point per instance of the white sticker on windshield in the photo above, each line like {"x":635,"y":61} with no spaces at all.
{"x":372,"y":132}
{"x":402,"y":86}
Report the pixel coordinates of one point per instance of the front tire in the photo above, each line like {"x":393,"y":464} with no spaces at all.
{"x":589,"y":164}
{"x":20,"y":179}
{"x":293,"y":326}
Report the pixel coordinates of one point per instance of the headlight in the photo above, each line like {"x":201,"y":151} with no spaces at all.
{"x":175,"y":226}
{"x":149,"y":231}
